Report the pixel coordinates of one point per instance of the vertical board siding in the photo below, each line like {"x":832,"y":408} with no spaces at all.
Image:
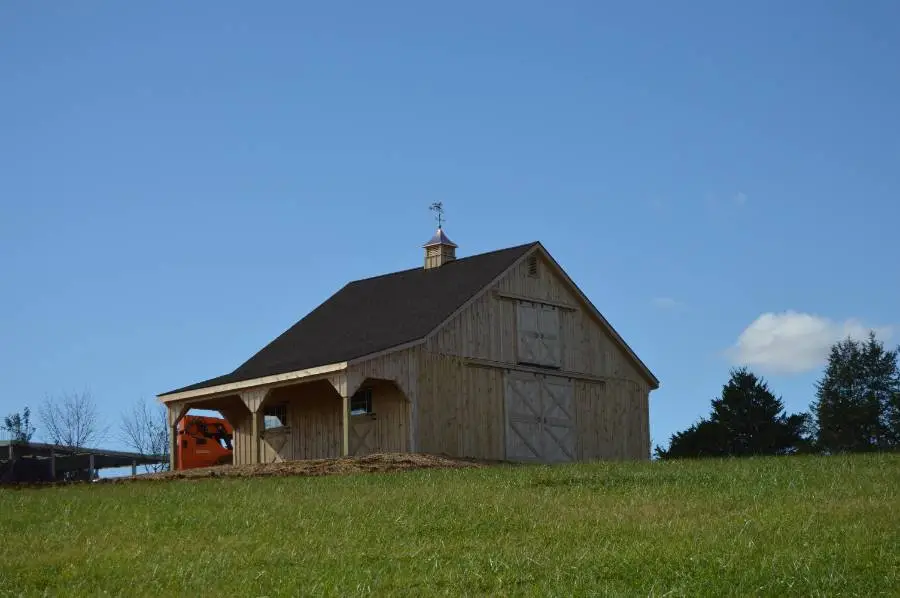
{"x":314,"y":422}
{"x":612,"y":421}
{"x":314,"y":411}
{"x":613,"y":415}
{"x":440,"y":381}
{"x":460,"y":408}
{"x":395,"y":396}
{"x":429,"y":395}
{"x":242,"y":441}
{"x":487,"y":328}
{"x":388,"y":430}
{"x":399,"y":367}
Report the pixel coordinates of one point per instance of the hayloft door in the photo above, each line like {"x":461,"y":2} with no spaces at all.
{"x":548,"y":333}
{"x":538,"y":334}
{"x":528,"y":327}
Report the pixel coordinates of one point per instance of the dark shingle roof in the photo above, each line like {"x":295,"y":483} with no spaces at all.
{"x":373,"y":314}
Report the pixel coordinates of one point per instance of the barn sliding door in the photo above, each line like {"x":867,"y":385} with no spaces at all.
{"x":523,"y":418}
{"x":540,"y":418}
{"x":538,"y":334}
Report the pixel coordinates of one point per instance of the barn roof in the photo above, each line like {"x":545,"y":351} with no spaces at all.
{"x":373,"y":314}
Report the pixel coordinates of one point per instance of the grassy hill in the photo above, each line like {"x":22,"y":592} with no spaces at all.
{"x":776,"y":527}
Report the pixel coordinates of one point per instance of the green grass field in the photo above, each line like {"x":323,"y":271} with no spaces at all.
{"x":774,"y":527}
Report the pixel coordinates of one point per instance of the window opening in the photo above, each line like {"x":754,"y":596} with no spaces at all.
{"x":275,"y":416}
{"x":361,"y":402}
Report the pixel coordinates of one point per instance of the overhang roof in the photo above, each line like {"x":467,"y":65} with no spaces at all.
{"x":371,"y":315}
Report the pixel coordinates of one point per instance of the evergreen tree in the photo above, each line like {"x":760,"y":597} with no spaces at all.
{"x":857,"y":405}
{"x":747,"y":419}
{"x":703,"y":439}
{"x":753,"y":418}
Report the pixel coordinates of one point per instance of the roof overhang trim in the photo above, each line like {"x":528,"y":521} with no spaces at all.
{"x":642,"y":367}
{"x":235,"y":387}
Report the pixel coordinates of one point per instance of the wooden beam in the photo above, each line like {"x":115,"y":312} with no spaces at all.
{"x":271,"y":381}
{"x":517,"y":297}
{"x":384,"y":352}
{"x":516,"y":367}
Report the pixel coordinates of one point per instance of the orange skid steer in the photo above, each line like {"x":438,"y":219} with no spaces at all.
{"x":203,"y":442}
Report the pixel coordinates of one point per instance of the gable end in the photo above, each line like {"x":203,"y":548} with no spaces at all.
{"x":521,"y":303}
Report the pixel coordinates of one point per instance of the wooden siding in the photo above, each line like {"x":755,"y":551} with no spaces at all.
{"x":460,"y":408}
{"x":388,"y":430}
{"x":314,"y":423}
{"x":612,"y":420}
{"x":243,"y":438}
{"x":314,"y":418}
{"x":487,"y":328}
{"x":402,"y":368}
{"x":448,"y":394}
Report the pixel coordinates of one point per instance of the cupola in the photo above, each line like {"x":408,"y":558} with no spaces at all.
{"x":439,"y":250}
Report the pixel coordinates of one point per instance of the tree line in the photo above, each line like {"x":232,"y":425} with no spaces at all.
{"x":856,"y":409}
{"x":73,"y":420}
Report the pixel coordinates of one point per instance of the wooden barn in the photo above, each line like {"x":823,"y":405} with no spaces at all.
{"x":495,"y":356}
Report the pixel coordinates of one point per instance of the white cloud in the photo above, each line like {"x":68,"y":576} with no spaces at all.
{"x":666,"y":303}
{"x":793,"y":342}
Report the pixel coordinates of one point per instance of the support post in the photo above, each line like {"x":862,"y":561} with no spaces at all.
{"x":176,"y":412}
{"x":345,"y":442}
{"x":255,"y":433}
{"x":254,"y":400}
{"x":53,"y":465}
{"x":133,"y":468}
{"x":345,"y":383}
{"x":91,"y":467}
{"x":173,"y":447}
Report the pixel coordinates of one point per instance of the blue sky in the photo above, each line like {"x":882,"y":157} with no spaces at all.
{"x":180,"y":182}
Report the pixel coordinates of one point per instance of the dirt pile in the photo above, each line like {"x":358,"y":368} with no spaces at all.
{"x":377,"y":463}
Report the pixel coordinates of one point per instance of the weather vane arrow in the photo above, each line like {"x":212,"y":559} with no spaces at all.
{"x":438,"y":207}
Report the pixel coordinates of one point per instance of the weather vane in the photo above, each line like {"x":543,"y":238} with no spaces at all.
{"x":438,"y":207}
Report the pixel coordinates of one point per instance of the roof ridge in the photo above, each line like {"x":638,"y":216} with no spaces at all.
{"x":457,"y":260}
